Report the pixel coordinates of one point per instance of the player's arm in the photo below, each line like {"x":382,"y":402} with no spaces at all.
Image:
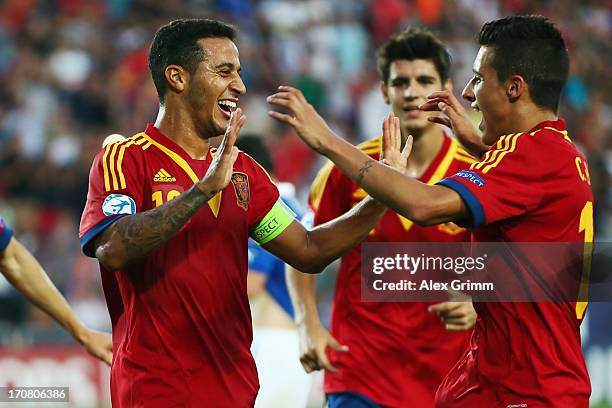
{"x":311,"y":250}
{"x":314,"y":338}
{"x":422,"y":203}
{"x":27,"y":276}
{"x":133,"y":237}
{"x":256,"y":283}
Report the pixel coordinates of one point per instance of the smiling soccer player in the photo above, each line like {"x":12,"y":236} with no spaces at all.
{"x":169,"y":220}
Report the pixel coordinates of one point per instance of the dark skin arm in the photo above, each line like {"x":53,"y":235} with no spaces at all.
{"x":133,"y":237}
{"x":314,"y":337}
{"x":419,"y":202}
{"x":311,"y":250}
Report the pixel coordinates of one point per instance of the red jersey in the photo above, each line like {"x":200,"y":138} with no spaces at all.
{"x":530,"y":187}
{"x":181,"y":320}
{"x":398,"y":352}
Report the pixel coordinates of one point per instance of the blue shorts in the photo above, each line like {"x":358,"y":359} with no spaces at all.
{"x":350,"y":400}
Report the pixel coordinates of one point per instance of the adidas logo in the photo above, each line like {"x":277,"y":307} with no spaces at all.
{"x":163,"y":176}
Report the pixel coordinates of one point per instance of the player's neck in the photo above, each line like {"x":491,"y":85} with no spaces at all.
{"x":179,"y":127}
{"x":425,"y":148}
{"x":527,"y":117}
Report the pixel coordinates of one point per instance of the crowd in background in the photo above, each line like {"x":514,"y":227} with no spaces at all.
{"x":74,"y":71}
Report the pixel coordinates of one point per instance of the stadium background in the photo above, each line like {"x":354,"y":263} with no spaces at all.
{"x":74,"y":71}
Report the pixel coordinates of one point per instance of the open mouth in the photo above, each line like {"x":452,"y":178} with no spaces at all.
{"x":481,"y":124}
{"x":227,"y":107}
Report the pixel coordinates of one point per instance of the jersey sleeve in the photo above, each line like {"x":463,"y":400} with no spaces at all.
{"x":330,"y":194}
{"x":504,"y":184}
{"x":268,"y":215}
{"x":116,"y":183}
{"x":263,"y":192}
{"x":5,"y":235}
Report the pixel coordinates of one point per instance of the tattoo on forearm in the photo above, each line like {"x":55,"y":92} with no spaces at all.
{"x":364,"y":169}
{"x":141,"y":233}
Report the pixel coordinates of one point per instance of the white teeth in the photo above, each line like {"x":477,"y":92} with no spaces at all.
{"x":227,"y":103}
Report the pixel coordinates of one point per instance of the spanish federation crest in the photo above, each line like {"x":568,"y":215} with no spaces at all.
{"x":241,"y":188}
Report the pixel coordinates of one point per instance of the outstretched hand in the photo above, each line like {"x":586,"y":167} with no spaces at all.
{"x":220,"y":170}
{"x":392,"y":153}
{"x":302,"y":116}
{"x":456,"y":118}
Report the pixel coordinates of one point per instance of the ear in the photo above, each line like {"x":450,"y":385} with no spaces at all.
{"x":177,"y":77}
{"x":515,"y":87}
{"x":385,"y":92}
{"x":448,"y":85}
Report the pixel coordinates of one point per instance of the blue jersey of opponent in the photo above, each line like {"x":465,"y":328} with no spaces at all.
{"x":5,"y":235}
{"x":264,"y":262}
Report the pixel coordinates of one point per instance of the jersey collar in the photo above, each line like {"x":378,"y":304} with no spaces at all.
{"x":155,"y":134}
{"x":558,"y":124}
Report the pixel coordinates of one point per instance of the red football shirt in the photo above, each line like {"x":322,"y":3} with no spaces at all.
{"x":181,"y":319}
{"x":530,"y":187}
{"x":399,"y":352}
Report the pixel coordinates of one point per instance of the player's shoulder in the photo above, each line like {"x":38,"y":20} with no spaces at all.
{"x":330,"y":173}
{"x":548,"y":138}
{"x":462,"y":157}
{"x":247,"y":164}
{"x":119,"y":158}
{"x":117,"y":151}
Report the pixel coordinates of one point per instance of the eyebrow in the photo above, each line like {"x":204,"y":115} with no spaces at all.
{"x":476,"y":72}
{"x":227,"y":65}
{"x":404,"y":78}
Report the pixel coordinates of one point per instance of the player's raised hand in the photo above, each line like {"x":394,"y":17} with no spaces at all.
{"x":308,"y":124}
{"x":456,"y":316}
{"x":220,"y":170}
{"x":456,"y":118}
{"x":99,"y":345}
{"x":314,"y":340}
{"x":392,"y":153}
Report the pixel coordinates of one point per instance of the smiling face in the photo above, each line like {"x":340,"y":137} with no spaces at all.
{"x":214,"y":88}
{"x":410,"y":81}
{"x":487,"y":95}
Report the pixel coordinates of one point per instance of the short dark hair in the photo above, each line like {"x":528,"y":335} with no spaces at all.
{"x":177,"y":43}
{"x":532,"y":47}
{"x":255,"y":146}
{"x":410,"y":44}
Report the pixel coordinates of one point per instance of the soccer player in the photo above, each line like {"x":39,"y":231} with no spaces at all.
{"x":283,"y":382}
{"x":532,"y":185}
{"x":169,"y":220}
{"x":408,"y":367}
{"x":24,"y":272}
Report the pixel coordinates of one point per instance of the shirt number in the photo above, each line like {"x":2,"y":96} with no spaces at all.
{"x":158,"y":197}
{"x":586,"y":225}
